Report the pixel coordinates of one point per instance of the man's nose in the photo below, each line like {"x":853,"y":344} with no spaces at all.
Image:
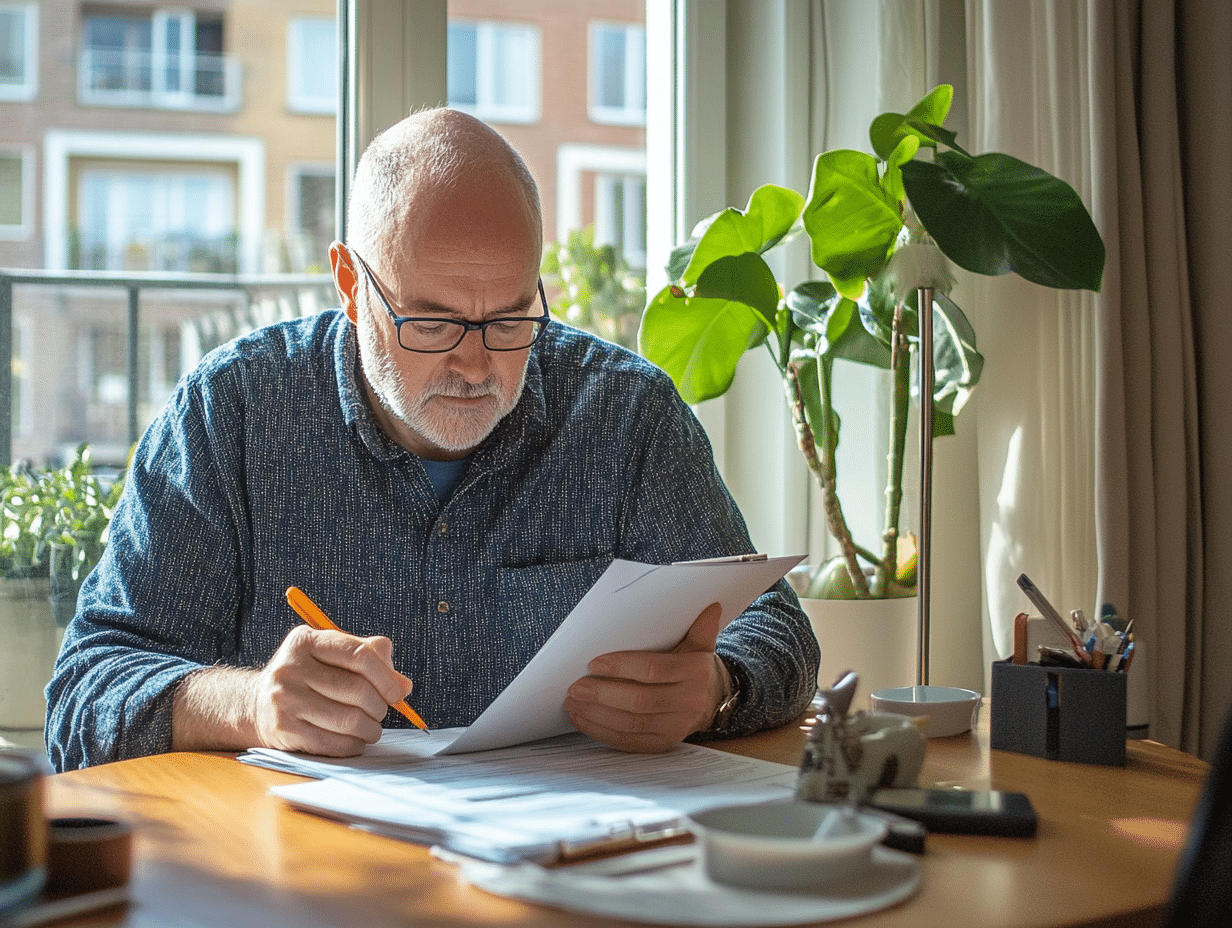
{"x":470,"y":358}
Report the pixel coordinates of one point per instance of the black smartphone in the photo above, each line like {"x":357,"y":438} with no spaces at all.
{"x":962,"y":811}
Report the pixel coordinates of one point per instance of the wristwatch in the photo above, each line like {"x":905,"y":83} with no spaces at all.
{"x":723,"y":714}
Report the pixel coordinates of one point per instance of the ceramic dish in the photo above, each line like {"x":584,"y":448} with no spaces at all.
{"x":949,"y":710}
{"x":774,"y":846}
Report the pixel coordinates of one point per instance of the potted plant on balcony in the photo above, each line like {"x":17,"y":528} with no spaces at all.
{"x":55,"y":522}
{"x":879,"y":226}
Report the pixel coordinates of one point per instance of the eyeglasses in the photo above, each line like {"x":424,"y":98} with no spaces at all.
{"x":434,"y":335}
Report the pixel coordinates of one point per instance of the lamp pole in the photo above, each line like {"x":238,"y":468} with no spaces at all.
{"x":924,"y":312}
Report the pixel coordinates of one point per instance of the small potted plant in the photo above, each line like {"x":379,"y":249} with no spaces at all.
{"x":879,"y":226}
{"x":55,"y":522}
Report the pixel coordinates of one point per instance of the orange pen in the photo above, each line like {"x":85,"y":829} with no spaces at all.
{"x":312,"y":614}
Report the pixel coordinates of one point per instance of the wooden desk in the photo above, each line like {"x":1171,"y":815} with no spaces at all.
{"x":213,"y":848}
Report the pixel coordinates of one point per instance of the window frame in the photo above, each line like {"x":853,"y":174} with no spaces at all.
{"x":605,"y":214}
{"x":297,"y":100}
{"x":297,"y":170}
{"x":28,"y":88}
{"x":186,"y":58}
{"x":634,"y":64}
{"x":487,"y":77}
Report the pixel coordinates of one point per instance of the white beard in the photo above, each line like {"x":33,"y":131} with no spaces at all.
{"x":445,"y":425}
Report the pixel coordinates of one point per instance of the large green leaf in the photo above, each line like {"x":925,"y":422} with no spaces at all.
{"x":923,"y":122}
{"x":699,"y":339}
{"x":762,"y":224}
{"x":850,"y":220}
{"x":957,"y":364}
{"x":810,"y":304}
{"x":992,"y":214}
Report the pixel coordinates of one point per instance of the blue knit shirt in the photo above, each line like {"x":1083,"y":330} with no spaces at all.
{"x":266,"y":469}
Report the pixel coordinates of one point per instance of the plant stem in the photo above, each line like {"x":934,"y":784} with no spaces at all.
{"x":900,"y":365}
{"x":823,"y":466}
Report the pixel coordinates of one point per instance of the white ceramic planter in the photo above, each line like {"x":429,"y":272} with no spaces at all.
{"x":29,"y":642}
{"x":874,"y":637}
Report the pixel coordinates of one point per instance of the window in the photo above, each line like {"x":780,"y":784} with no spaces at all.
{"x":618,"y":74}
{"x":312,"y":65}
{"x":620,"y":215}
{"x":494,"y":70}
{"x":18,"y":50}
{"x":164,"y":219}
{"x":310,"y":224}
{"x":16,"y":192}
{"x":170,"y":58}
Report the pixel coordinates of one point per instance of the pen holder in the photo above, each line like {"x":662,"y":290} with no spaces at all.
{"x":1058,"y":713}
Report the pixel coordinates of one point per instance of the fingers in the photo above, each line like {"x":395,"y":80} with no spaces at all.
{"x":649,"y":703}
{"x":326,"y":692}
{"x":650,"y":666}
{"x":614,"y":730}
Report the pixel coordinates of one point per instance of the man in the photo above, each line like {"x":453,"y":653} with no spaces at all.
{"x":443,"y":471}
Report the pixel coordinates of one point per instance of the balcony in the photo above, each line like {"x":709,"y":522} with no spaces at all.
{"x":158,"y":80}
{"x":93,"y":355}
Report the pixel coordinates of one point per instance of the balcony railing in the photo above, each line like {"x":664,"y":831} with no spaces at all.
{"x":62,"y":313}
{"x":127,"y":77}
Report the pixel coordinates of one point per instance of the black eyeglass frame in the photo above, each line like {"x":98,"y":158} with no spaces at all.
{"x":462,"y":324}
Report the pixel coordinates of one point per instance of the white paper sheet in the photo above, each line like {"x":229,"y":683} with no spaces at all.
{"x":521,"y":802}
{"x":632,"y":607}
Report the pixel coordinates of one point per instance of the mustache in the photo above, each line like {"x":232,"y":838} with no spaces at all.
{"x":457,"y":386}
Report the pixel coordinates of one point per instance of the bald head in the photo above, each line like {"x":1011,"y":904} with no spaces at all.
{"x":415,"y":164}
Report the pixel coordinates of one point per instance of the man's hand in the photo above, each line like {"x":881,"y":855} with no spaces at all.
{"x":647,"y":702}
{"x":323,"y":692}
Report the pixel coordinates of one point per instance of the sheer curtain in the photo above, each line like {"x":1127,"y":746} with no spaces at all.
{"x":1102,"y":435}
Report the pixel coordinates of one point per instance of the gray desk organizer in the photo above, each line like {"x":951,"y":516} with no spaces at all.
{"x":1058,"y":713}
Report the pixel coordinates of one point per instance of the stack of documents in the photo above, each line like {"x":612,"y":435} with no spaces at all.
{"x":549,"y":800}
{"x":519,"y":784}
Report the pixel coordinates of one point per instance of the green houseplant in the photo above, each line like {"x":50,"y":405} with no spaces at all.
{"x":596,"y":290}
{"x":54,"y":527}
{"x":879,"y":226}
{"x":55,"y":522}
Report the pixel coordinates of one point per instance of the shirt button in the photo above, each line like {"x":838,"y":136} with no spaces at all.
{"x":444,"y":528}
{"x":442,"y":606}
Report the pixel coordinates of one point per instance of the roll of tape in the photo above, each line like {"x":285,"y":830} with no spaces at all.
{"x":87,"y":854}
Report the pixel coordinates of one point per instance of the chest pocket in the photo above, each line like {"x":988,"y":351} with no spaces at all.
{"x":531,"y":602}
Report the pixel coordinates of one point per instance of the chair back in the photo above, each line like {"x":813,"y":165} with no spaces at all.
{"x":1202,"y":893}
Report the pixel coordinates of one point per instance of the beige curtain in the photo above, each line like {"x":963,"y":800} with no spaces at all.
{"x":1103,"y":434}
{"x":1095,"y":455}
{"x":1166,"y":478}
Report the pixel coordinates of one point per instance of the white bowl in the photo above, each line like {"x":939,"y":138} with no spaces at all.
{"x":949,"y":710}
{"x":771,"y":845}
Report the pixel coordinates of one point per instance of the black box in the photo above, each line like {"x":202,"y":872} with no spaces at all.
{"x":1059,"y":713}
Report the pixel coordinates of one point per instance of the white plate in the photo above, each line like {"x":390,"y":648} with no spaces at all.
{"x":684,"y":895}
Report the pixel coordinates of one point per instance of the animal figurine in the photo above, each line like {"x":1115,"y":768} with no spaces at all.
{"x":848,"y":755}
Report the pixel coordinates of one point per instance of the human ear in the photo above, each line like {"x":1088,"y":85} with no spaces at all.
{"x":345,"y":278}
